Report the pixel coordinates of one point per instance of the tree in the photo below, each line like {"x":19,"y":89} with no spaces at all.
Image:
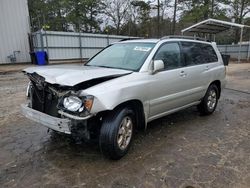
{"x":58,"y":14}
{"x":142,"y":15}
{"x":55,"y":17}
{"x":198,"y":10}
{"x":83,"y":14}
{"x":132,"y":17}
{"x":36,"y":11}
{"x":239,"y":9}
{"x":49,"y":13}
{"x":117,"y":12}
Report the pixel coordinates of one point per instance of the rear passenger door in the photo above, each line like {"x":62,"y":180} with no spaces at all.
{"x":199,"y":59}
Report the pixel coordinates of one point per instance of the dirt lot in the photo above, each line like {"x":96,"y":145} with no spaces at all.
{"x":181,"y":150}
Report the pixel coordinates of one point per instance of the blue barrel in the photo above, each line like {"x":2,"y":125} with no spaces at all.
{"x":41,"y":58}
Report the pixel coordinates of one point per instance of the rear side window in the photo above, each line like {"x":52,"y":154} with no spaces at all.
{"x":198,"y":53}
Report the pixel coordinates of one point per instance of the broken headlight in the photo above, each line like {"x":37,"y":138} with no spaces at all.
{"x":72,"y":103}
{"x":76,"y":104}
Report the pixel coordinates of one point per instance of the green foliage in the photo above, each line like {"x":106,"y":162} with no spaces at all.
{"x":143,"y":10}
{"x":59,"y":14}
{"x":83,"y":14}
{"x":198,"y":10}
{"x":134,"y":17}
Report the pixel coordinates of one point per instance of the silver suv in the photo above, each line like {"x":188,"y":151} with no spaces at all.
{"x":125,"y":86}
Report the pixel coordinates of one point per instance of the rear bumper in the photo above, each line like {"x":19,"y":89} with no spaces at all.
{"x":57,"y":124}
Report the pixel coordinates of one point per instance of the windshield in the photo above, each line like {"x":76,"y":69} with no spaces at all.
{"x":128,"y":56}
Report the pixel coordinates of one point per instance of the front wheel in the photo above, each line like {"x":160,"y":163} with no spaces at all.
{"x":116,"y":133}
{"x":210,"y":100}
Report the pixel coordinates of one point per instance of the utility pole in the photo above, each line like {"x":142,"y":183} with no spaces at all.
{"x":158,"y":18}
{"x":174,"y":18}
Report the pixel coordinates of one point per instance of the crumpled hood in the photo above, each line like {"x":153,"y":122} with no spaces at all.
{"x":70,"y":75}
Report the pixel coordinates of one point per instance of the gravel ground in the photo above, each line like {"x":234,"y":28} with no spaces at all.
{"x":180,"y":150}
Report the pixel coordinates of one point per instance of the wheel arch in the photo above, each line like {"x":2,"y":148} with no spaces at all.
{"x":218,"y":84}
{"x":137,"y":107}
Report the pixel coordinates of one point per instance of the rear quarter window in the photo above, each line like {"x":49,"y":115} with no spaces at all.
{"x":198,"y":53}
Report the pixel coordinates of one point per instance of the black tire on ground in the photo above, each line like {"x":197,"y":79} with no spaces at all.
{"x":109,"y":133}
{"x":210,"y":100}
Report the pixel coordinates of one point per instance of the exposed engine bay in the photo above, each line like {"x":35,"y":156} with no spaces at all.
{"x":45,"y":97}
{"x":48,"y":98}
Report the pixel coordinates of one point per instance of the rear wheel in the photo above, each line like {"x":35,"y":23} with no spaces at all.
{"x":210,"y":100}
{"x":116,"y":133}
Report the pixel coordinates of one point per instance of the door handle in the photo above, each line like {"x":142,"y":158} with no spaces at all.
{"x":183,"y":74}
{"x":207,"y":68}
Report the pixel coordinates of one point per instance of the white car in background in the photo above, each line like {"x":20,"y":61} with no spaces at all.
{"x":125,"y":86}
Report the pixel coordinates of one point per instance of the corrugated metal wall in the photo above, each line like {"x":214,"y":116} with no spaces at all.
{"x":69,"y":45}
{"x":14,"y":29}
{"x":233,"y":50}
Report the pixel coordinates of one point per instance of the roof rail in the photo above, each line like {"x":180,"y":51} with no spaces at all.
{"x":184,"y":37}
{"x":134,"y":38}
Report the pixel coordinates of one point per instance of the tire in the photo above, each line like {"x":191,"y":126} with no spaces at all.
{"x":210,"y":100}
{"x":115,"y":139}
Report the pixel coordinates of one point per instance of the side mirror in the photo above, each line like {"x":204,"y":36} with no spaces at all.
{"x":158,"y":65}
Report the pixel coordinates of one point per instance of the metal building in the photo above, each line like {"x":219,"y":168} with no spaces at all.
{"x":14,"y":30}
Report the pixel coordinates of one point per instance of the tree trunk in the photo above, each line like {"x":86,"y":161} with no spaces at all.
{"x":212,"y":9}
{"x":174,"y":19}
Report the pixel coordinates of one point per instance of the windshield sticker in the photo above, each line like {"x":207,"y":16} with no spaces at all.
{"x":141,"y":48}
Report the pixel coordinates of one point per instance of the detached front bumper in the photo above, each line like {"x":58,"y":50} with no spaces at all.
{"x":57,"y":124}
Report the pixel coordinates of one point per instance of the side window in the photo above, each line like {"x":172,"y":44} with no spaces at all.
{"x":210,"y":55}
{"x":169,"y":53}
{"x":192,"y":53}
{"x":198,"y":53}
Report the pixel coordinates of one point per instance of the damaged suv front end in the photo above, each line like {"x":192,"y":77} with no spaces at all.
{"x":57,"y":102}
{"x":61,"y":104}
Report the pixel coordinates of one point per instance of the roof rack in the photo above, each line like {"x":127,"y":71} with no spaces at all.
{"x":184,"y":37}
{"x":134,"y":38}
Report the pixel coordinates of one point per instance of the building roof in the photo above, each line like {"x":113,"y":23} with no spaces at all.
{"x":212,"y":26}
